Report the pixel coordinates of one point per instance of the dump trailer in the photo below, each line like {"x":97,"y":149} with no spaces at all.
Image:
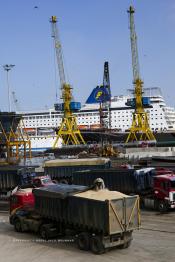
{"x":127,"y":181}
{"x":155,"y":191}
{"x":98,"y":219}
{"x":62,"y":169}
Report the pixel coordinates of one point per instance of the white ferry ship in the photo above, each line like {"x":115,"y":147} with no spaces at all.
{"x":41,"y":125}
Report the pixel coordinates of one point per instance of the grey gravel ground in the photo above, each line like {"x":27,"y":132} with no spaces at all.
{"x":154,"y":242}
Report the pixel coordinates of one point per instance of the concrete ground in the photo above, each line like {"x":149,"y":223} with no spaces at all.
{"x":154,"y":242}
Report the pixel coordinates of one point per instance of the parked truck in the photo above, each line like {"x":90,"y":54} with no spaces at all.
{"x":61,"y":170}
{"x":156,"y":189}
{"x":97,"y":219}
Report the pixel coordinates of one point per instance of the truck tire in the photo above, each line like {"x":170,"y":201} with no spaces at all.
{"x":83,"y":241}
{"x":43,"y":232}
{"x":162,"y":206}
{"x":17,"y":225}
{"x":97,"y":246}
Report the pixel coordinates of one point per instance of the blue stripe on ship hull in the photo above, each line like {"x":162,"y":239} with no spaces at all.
{"x":40,"y":148}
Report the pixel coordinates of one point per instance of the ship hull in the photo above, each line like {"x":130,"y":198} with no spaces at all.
{"x":100,"y":136}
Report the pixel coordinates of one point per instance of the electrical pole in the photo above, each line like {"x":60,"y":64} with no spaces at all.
{"x":7,"y":68}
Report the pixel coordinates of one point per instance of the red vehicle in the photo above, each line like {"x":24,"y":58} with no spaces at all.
{"x":162,"y":197}
{"x":24,"y":197}
{"x":162,"y":171}
{"x":164,"y":191}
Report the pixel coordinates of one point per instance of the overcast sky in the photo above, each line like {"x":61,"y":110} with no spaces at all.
{"x":91,"y":32}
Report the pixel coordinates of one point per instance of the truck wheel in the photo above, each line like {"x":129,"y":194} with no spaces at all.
{"x":83,"y":241}
{"x":97,"y":246}
{"x":17,"y":225}
{"x":43,"y":232}
{"x":162,"y":206}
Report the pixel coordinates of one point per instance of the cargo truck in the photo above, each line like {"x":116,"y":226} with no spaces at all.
{"x":98,"y":219}
{"x":61,"y":170}
{"x":156,"y":189}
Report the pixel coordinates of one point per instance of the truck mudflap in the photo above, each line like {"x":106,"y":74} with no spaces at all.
{"x":124,"y":215}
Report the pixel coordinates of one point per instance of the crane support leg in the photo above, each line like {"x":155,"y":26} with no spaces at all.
{"x":140,"y":129}
{"x":69,"y":132}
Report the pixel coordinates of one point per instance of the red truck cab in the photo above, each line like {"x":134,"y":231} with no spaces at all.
{"x":22,"y":198}
{"x":25,"y":197}
{"x":164,"y":190}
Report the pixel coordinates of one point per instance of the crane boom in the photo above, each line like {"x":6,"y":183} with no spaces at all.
{"x":58,"y":49}
{"x":134,"y":49}
{"x":135,"y":63}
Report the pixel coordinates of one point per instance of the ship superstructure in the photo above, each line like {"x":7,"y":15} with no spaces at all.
{"x":41,"y":125}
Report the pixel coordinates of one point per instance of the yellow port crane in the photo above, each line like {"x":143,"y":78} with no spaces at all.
{"x":140,"y":129}
{"x":68,"y":132}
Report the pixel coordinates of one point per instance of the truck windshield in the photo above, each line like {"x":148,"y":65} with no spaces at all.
{"x":46,"y":180}
{"x":173,"y":184}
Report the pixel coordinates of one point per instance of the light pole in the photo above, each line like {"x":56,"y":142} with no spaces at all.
{"x":7,"y":68}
